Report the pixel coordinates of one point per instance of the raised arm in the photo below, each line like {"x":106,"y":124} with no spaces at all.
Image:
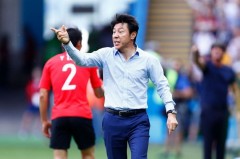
{"x":82,"y":59}
{"x":197,"y":59}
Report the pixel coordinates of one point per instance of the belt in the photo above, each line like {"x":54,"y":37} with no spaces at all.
{"x":125,"y":113}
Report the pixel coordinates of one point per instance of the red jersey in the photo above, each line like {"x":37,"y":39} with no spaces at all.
{"x":32,"y":92}
{"x":69,"y":84}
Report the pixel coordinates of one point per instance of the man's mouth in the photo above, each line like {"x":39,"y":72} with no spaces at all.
{"x":116,"y":42}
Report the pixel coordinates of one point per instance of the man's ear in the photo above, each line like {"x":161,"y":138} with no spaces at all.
{"x":133,"y":35}
{"x":79,"y":45}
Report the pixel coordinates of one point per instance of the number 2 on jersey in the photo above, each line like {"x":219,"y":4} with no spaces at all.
{"x":73,"y":70}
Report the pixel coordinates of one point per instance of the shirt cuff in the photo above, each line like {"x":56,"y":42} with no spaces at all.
{"x":169,"y":106}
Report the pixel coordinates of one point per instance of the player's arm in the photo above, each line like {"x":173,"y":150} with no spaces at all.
{"x":96,"y":82}
{"x":43,"y":100}
{"x":197,"y":59}
{"x":99,"y":92}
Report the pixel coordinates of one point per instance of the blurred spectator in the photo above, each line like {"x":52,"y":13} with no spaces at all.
{"x":30,"y":123}
{"x":216,"y":21}
{"x":217,"y":78}
{"x":182,"y":92}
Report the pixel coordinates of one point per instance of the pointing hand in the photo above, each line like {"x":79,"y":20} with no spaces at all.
{"x":62,"y":34}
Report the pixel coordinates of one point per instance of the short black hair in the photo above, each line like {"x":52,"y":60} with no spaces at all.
{"x":125,"y":18}
{"x":219,"y":45}
{"x":75,"y":35}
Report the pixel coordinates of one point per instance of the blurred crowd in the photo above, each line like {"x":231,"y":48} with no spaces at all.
{"x":217,"y":20}
{"x":214,"y":21}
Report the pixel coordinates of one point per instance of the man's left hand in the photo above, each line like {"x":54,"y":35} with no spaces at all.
{"x":171,"y":122}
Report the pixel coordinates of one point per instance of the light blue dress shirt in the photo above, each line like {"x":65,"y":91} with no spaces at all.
{"x":126,"y":81}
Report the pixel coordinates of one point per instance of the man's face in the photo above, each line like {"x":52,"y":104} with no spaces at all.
{"x":121,"y":36}
{"x":217,"y":54}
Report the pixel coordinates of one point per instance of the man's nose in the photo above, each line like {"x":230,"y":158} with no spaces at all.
{"x":115,"y":35}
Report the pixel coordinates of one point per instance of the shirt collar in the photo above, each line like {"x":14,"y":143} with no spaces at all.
{"x":116,"y":52}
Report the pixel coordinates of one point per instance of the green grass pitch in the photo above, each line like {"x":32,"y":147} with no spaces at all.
{"x":14,"y":148}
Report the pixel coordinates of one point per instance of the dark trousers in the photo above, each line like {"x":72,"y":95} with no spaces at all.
{"x":118,"y":131}
{"x":214,"y":125}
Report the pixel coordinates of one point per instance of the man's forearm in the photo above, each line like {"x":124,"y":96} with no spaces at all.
{"x":43,"y":111}
{"x":197,"y":58}
{"x":43,"y":102}
{"x":43,"y":115}
{"x":75,"y":54}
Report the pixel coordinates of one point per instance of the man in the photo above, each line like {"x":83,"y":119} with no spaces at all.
{"x":71,"y":114}
{"x":217,"y":78}
{"x":126,"y":72}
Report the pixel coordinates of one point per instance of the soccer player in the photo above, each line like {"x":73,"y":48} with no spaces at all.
{"x":71,"y":114}
{"x":126,"y":72}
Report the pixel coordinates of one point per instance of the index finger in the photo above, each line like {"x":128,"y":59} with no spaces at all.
{"x":55,"y":30}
